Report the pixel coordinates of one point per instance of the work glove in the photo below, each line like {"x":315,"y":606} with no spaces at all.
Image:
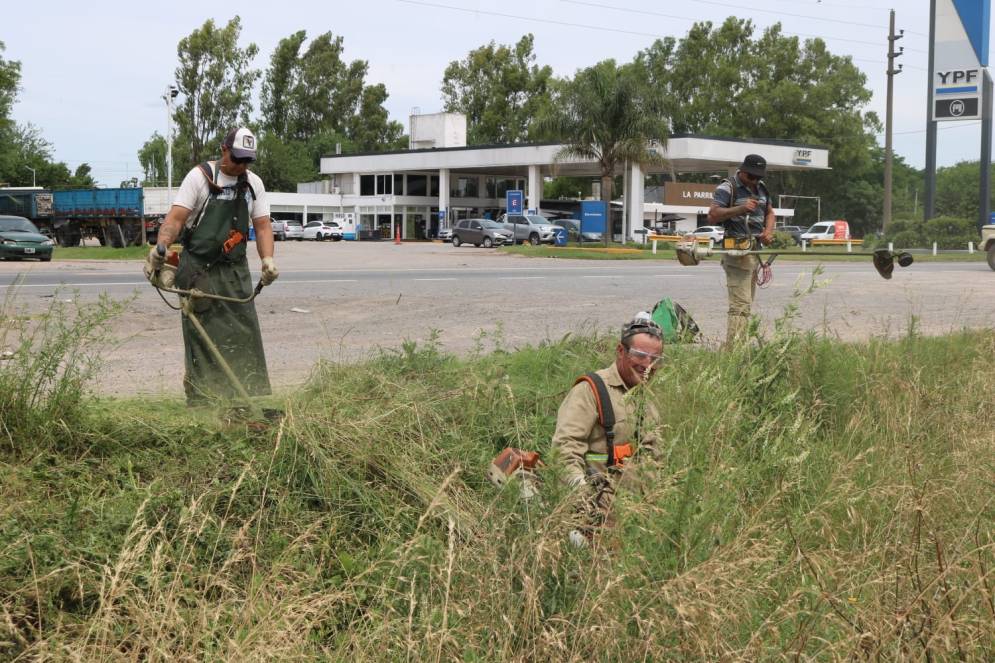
{"x":153,"y":263}
{"x":270,"y":272}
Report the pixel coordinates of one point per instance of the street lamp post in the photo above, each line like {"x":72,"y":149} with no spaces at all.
{"x":169,"y":95}
{"x":33,"y":180}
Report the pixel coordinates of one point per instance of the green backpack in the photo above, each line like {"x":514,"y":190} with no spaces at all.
{"x":677,"y":324}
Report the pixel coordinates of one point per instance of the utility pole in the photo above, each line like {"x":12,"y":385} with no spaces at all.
{"x":34,"y":182}
{"x":892,"y":38}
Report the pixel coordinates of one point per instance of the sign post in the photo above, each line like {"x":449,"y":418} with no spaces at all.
{"x":959,"y":85}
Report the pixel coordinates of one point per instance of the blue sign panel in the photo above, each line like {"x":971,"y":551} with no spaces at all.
{"x":976,"y":18}
{"x":515,"y":201}
{"x":442,"y":215}
{"x":991,"y":218}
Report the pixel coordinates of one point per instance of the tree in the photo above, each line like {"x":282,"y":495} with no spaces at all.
{"x":314,"y":100}
{"x":605,"y":114}
{"x":152,"y":157}
{"x":284,"y":163}
{"x":10,"y":80}
{"x":216,"y":79}
{"x":502,"y":92}
{"x":773,"y":86}
{"x":371,"y":128}
{"x":81,"y":177}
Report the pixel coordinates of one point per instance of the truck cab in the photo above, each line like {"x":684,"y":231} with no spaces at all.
{"x":988,"y":243}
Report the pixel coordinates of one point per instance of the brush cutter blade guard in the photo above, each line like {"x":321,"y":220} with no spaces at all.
{"x":884,"y":262}
{"x":687,"y":253}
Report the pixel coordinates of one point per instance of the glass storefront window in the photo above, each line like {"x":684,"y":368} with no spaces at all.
{"x":367,"y":185}
{"x":398,"y":185}
{"x":385,"y":185}
{"x":434,"y":189}
{"x":417,"y":185}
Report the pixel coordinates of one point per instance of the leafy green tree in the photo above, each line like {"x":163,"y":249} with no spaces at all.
{"x":371,"y":128}
{"x":81,"y":177}
{"x":10,"y":80}
{"x":502,"y":92}
{"x":605,"y":114}
{"x":152,"y":157}
{"x":957,"y":190}
{"x":284,"y":163}
{"x":772,"y":86}
{"x":215,"y":78}
{"x":313,"y":100}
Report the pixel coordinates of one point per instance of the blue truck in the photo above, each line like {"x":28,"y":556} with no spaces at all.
{"x":115,"y":217}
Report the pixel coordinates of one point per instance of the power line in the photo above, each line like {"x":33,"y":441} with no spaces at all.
{"x":944,"y":126}
{"x":647,"y":12}
{"x":540,"y":20}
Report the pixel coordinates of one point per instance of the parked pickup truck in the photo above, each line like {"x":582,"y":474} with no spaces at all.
{"x":988,"y":243}
{"x":530,"y":228}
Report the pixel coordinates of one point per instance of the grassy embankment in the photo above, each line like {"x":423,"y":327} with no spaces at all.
{"x":666,"y":252}
{"x":100,"y":253}
{"x":812,"y":500}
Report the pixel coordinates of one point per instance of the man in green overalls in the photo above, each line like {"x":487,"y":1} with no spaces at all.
{"x":210,"y":217}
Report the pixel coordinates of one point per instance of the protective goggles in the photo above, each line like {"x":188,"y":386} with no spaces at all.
{"x":645,"y":357}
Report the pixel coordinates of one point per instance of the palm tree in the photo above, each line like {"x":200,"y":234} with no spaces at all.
{"x":607,"y":114}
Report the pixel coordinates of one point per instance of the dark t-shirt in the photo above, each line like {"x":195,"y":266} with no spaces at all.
{"x":745,"y":225}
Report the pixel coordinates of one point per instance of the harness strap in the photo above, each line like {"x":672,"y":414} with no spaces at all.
{"x":606,"y":415}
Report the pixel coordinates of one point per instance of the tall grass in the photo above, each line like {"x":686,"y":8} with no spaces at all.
{"x":46,"y":361}
{"x":812,"y":500}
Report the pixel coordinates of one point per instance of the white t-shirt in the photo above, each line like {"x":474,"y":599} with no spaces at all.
{"x":194,"y":191}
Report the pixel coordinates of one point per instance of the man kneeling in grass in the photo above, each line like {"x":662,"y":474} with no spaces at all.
{"x":605,"y":424}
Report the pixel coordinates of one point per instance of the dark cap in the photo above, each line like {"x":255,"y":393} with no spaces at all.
{"x":242,"y":143}
{"x":754,"y":164}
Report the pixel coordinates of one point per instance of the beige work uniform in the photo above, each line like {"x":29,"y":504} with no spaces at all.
{"x":741,"y":285}
{"x":580,"y":440}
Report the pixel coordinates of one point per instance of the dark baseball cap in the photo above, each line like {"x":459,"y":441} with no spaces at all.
{"x":242,"y":143}
{"x":754,"y":164}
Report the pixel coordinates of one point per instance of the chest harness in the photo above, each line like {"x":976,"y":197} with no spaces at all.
{"x":616,"y":453}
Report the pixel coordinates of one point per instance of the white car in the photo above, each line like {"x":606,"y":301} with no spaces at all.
{"x":322,"y":230}
{"x":293,"y":230}
{"x":714,"y":233}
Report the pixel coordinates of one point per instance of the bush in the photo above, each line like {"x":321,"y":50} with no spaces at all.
{"x":948,"y":232}
{"x":782,"y":240}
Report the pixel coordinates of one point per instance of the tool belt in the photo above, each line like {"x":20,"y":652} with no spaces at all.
{"x":622,"y":451}
{"x":737,"y":243}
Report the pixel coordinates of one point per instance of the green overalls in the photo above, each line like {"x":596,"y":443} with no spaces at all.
{"x":234,"y":328}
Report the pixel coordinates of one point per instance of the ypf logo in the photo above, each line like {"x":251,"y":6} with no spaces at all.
{"x":957,"y":108}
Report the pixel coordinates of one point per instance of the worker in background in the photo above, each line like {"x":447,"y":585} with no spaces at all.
{"x":210,"y":217}
{"x":742,"y":206}
{"x":605,"y":423}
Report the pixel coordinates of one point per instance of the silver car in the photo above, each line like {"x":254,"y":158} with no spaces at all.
{"x":480,"y":232}
{"x":530,"y":228}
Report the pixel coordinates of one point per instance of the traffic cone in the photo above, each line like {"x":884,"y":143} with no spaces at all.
{"x":397,"y":235}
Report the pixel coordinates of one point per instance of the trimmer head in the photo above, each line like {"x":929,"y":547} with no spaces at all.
{"x":687,"y":252}
{"x":884,"y":261}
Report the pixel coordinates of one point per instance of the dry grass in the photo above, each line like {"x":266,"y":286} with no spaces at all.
{"x":813,"y":501}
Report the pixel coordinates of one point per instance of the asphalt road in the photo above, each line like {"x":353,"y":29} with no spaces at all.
{"x":342,"y":301}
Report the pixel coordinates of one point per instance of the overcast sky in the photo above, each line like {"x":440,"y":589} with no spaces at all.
{"x":93,"y":73}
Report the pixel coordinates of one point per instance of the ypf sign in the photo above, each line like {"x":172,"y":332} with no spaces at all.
{"x":960,"y":51}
